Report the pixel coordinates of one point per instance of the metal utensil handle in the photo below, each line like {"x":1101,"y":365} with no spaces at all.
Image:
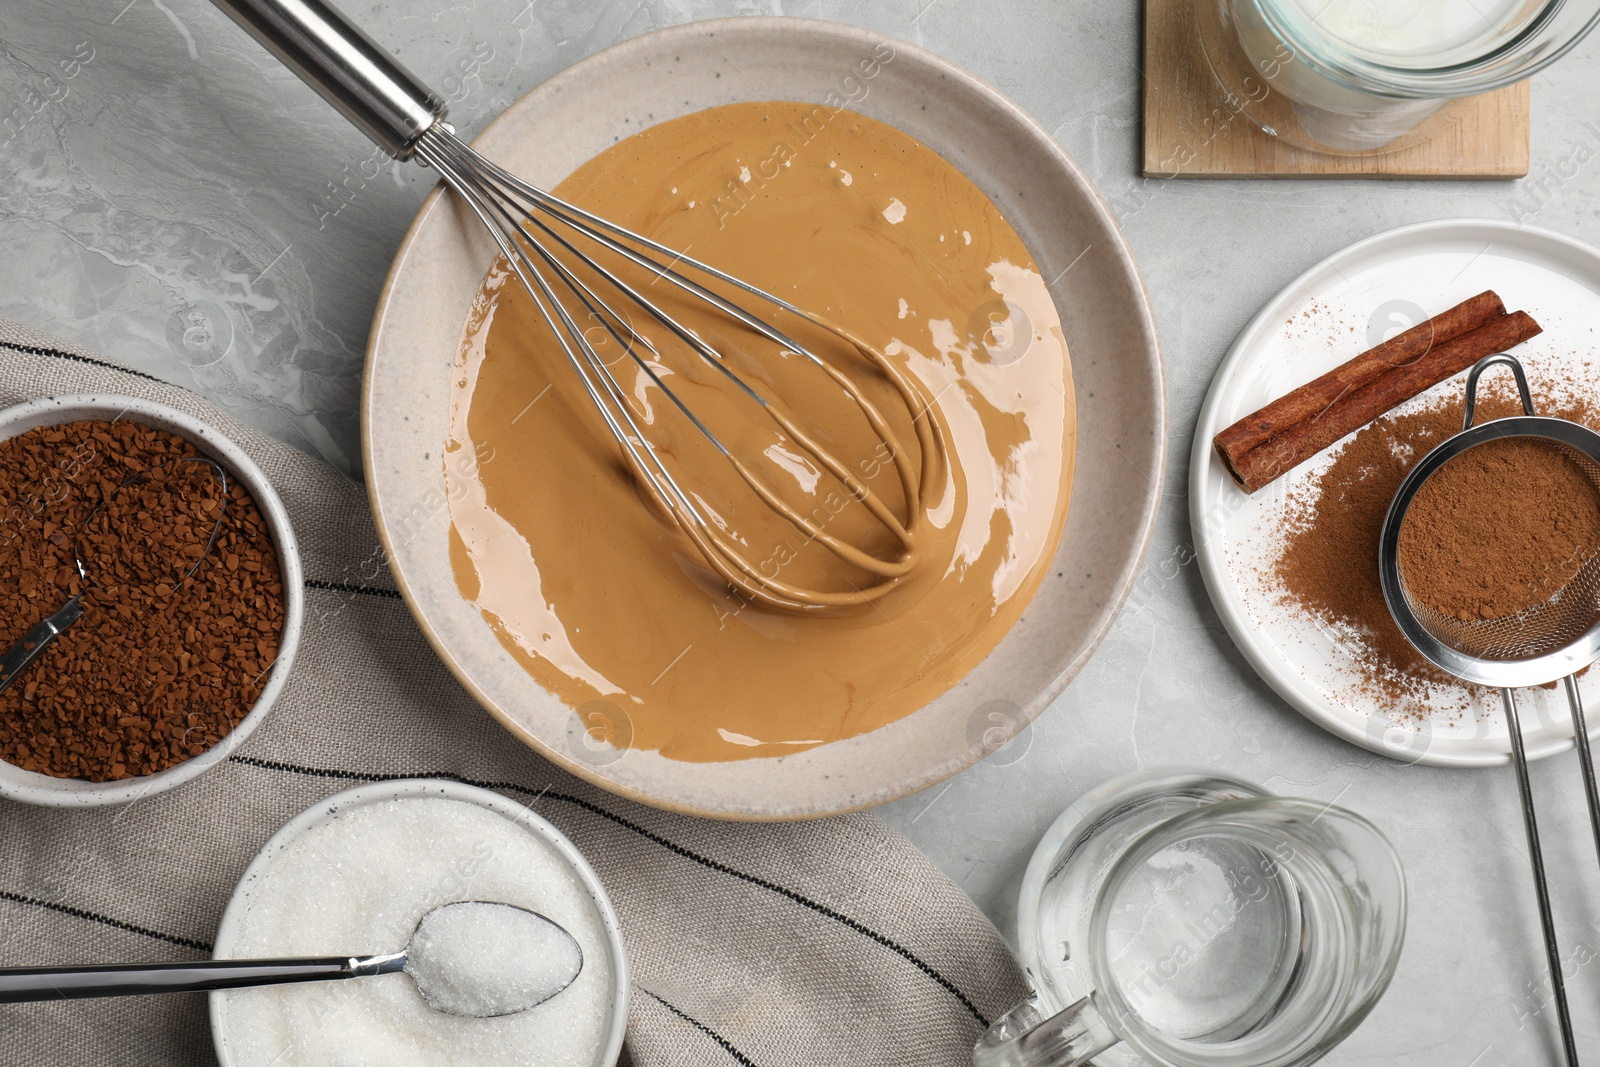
{"x":1500,"y":359}
{"x":19,"y":985}
{"x":346,"y":67}
{"x":1580,"y":737}
{"x":1547,"y":923}
{"x":33,"y":643}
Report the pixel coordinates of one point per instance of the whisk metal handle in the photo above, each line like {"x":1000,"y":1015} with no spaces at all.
{"x":347,"y":68}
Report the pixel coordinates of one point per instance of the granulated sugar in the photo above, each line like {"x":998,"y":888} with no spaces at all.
{"x":358,"y":884}
{"x":480,"y":959}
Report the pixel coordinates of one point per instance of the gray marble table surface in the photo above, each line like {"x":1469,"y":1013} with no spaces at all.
{"x":171,"y":196}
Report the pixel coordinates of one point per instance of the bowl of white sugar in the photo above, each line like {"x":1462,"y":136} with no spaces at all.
{"x":354,"y":875}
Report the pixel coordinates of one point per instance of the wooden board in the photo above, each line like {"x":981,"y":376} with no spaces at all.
{"x":1192,"y":131}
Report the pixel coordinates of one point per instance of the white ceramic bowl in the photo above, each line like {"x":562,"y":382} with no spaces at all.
{"x":1105,"y":316}
{"x":233,"y":916}
{"x":32,"y":788}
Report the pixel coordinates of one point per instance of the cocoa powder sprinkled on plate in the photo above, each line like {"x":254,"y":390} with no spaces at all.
{"x":157,"y":670}
{"x":1328,"y":564}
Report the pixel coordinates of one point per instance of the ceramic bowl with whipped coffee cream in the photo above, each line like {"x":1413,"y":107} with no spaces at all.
{"x":947,"y":236}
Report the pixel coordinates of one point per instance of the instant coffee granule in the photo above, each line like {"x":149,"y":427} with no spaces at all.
{"x":1327,"y":567}
{"x":1499,"y":529}
{"x":157,"y":670}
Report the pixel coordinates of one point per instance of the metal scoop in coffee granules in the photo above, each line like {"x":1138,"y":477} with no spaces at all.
{"x":35,"y":641}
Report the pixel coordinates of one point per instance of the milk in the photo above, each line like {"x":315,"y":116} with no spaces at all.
{"x":1358,"y":72}
{"x":1422,"y":32}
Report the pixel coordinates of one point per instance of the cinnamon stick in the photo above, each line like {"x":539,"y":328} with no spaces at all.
{"x":1394,"y":383}
{"x":1315,"y":397}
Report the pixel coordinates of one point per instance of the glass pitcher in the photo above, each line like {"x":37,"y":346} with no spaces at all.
{"x":1180,"y":918}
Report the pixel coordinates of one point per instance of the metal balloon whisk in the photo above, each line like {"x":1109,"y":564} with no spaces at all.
{"x":556,"y":250}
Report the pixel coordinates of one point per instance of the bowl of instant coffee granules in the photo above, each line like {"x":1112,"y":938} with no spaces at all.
{"x":166,"y":563}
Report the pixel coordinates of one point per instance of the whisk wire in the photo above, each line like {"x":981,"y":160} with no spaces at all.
{"x":614,"y":389}
{"x":602,"y":230}
{"x":550,"y":310}
{"x":596,"y":378}
{"x":518,"y":217}
{"x":596,"y":228}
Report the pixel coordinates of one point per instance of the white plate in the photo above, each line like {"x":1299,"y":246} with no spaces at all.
{"x":1380,"y":286}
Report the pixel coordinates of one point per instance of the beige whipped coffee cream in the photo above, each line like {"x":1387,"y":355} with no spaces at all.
{"x":601,"y":597}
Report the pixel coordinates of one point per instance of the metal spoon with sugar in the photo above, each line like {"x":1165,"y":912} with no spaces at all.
{"x":472,"y":958}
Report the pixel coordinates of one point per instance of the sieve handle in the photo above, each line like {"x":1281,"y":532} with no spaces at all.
{"x":1580,"y":737}
{"x":347,"y":68}
{"x":1547,"y":923}
{"x":1484,"y":364}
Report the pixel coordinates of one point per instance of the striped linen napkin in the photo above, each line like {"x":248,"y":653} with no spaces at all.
{"x":792,"y":945}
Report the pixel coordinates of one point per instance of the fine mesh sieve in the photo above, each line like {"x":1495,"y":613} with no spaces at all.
{"x":1548,"y":642}
{"x":1539,"y":631}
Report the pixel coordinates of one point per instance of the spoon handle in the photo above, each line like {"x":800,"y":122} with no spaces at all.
{"x":21,"y":984}
{"x":34,"y":642}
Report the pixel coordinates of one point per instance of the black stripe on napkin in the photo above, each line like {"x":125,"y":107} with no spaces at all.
{"x":56,"y":353}
{"x":346,"y":587}
{"x":106,"y":920}
{"x":672,"y":846}
{"x":727,"y":1046}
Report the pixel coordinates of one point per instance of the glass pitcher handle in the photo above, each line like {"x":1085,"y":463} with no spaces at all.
{"x":1023,"y":1037}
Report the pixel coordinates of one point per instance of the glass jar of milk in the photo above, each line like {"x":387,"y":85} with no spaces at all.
{"x":1356,"y":75}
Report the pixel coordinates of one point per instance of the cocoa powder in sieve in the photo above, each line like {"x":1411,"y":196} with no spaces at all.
{"x":155,"y":672}
{"x":1328,"y":564}
{"x":1499,"y":529}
